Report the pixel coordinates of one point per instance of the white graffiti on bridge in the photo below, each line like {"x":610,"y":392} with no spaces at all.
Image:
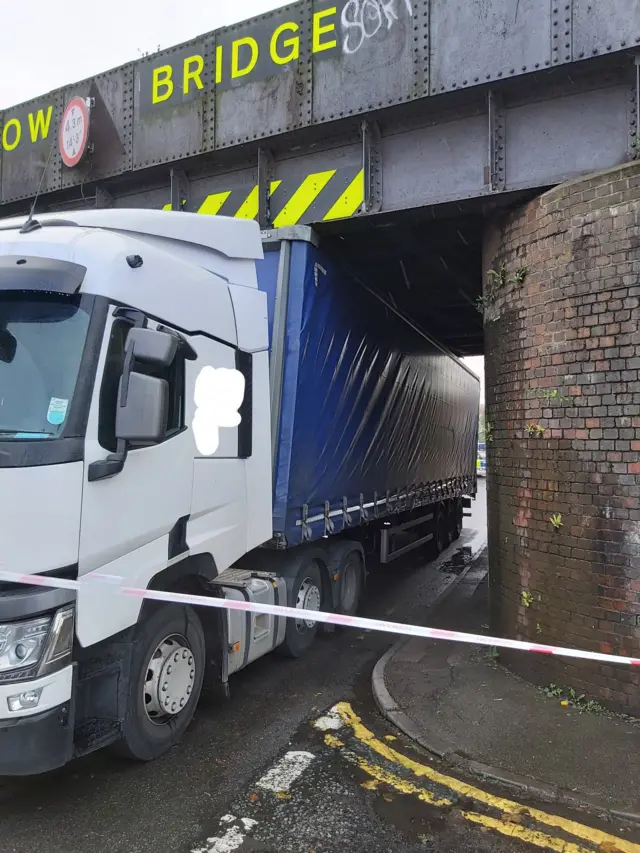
{"x":362,"y":19}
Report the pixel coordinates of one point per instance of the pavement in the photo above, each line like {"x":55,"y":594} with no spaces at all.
{"x":457,"y":702}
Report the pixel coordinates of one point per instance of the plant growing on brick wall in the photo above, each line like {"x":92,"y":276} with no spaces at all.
{"x":535,"y":430}
{"x":527,"y":598}
{"x":481,"y":303}
{"x":519,"y":275}
{"x":497,"y":280}
{"x":554,"y":394}
{"x":488,"y":432}
{"x":556,"y":520}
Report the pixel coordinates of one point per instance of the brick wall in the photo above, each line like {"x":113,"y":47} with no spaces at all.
{"x":563,"y":354}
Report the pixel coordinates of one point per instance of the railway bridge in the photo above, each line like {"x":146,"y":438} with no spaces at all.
{"x":478,"y":161}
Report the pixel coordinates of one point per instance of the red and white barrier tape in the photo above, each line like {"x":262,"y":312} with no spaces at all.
{"x":95,"y":578}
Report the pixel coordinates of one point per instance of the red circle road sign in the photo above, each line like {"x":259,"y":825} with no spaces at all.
{"x":74,"y":132}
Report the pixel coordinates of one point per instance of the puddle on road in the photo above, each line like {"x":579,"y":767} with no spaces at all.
{"x":458,"y":562}
{"x":416,"y":821}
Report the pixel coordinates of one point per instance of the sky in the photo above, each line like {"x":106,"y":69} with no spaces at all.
{"x":46,"y":45}
{"x":476,"y":363}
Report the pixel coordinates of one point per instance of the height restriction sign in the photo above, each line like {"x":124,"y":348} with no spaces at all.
{"x":74,"y":132}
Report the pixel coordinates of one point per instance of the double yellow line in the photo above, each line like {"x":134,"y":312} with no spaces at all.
{"x":510,"y":814}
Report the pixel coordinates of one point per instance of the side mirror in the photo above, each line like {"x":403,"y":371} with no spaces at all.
{"x":144,"y":416}
{"x":142,"y":411}
{"x":152,"y":346}
{"x":8,"y":346}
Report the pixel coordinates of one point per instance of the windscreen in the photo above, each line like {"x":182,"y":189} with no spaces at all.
{"x":42,"y":338}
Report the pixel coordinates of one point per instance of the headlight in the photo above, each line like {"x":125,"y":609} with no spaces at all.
{"x":60,"y":642}
{"x":47,"y":641}
{"x":21,"y":643}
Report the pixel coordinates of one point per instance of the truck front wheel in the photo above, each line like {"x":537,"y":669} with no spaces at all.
{"x":167,"y":670}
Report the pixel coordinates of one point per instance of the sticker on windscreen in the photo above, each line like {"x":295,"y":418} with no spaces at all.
{"x":33,"y":434}
{"x":57,"y":410}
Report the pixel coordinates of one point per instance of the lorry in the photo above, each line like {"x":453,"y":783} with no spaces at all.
{"x":189,"y":404}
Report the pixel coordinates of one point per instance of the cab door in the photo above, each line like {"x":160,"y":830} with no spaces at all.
{"x":131,"y":522}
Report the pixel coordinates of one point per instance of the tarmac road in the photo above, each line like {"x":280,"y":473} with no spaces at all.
{"x":207,"y":794}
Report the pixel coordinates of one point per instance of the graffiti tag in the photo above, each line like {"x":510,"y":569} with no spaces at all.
{"x":363,"y":19}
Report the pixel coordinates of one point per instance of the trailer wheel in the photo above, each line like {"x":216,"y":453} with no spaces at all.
{"x":306,"y":595}
{"x":449,"y":521}
{"x":441,"y":531}
{"x":165,"y":681}
{"x":351,"y":583}
{"x":457,"y":519}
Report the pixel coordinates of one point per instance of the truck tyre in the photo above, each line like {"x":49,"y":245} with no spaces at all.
{"x":165,"y":681}
{"x":449,"y":516}
{"x":441,"y":532}
{"x":351,"y":583}
{"x":457,"y":519}
{"x":306,"y":595}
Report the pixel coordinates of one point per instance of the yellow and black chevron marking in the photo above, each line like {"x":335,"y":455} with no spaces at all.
{"x":318,"y":197}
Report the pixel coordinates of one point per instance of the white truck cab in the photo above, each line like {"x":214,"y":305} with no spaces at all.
{"x":133,"y":367}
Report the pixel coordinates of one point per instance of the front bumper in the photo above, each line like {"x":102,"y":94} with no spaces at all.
{"x":41,"y":739}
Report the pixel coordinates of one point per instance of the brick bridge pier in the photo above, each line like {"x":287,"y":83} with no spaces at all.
{"x":562,"y":334}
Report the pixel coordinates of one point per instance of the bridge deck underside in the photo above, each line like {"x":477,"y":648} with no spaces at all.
{"x":428,"y":268}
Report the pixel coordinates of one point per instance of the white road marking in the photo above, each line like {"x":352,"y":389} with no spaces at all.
{"x":280,"y":778}
{"x":330,"y":722}
{"x":231,"y":840}
{"x":232,"y":837}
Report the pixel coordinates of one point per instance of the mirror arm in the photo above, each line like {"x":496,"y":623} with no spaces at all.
{"x":101,"y":469}
{"x":126,"y":373}
{"x":185,"y":348}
